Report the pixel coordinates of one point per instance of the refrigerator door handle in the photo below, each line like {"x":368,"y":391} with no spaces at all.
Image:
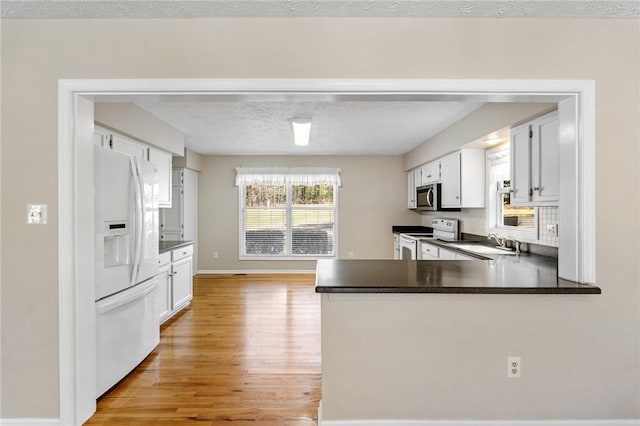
{"x":127,"y":296}
{"x":137,"y":212}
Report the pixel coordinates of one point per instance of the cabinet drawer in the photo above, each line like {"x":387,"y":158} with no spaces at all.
{"x":164,"y":258}
{"x":181,"y":253}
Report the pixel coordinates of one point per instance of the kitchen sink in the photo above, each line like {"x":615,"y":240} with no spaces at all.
{"x":480,"y":249}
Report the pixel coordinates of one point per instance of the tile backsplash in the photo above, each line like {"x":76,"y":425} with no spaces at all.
{"x":473,"y":221}
{"x":547,"y":216}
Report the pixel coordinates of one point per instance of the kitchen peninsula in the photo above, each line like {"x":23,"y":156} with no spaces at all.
{"x":522,"y":274}
{"x":414,"y":340}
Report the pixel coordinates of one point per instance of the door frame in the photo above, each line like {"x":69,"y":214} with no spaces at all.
{"x":576,"y":101}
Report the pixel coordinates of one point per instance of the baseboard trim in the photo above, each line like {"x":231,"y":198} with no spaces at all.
{"x":622,"y":422}
{"x":30,"y":422}
{"x":478,"y":422}
{"x":254,"y":271}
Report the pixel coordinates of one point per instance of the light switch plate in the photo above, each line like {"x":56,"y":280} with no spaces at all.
{"x":37,"y":214}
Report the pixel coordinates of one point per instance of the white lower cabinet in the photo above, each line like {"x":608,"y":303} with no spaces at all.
{"x":433,"y":252}
{"x":429,"y":251}
{"x":447,"y":254}
{"x":396,"y":247}
{"x":176,"y":281}
{"x":163,"y":305}
{"x":464,"y":257}
{"x":182,"y":291}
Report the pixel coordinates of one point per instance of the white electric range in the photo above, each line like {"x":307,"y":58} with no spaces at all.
{"x":443,"y":229}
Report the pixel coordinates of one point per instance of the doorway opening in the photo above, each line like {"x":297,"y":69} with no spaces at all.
{"x":576,"y":106}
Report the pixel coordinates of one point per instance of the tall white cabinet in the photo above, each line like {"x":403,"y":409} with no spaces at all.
{"x":180,"y":222}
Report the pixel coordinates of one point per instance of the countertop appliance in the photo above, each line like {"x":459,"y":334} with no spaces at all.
{"x":428,"y":198}
{"x":127,"y":325}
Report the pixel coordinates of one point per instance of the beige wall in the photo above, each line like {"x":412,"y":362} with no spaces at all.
{"x":36,"y":53}
{"x":190,"y":160}
{"x":132,"y":120}
{"x":484,"y":120}
{"x":369,"y":204}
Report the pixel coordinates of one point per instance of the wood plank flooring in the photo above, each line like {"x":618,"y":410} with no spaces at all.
{"x":247,"y":351}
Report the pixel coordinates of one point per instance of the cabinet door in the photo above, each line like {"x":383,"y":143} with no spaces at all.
{"x":396,"y":247}
{"x":182,"y":283}
{"x":411,"y":190}
{"x":520,"y":165}
{"x":545,"y":154}
{"x":431,"y":172}
{"x":428,"y":251}
{"x":447,"y":254}
{"x":128,"y":146}
{"x":163,"y":301}
{"x":450,"y":177}
{"x":464,"y":257}
{"x":163,"y":161}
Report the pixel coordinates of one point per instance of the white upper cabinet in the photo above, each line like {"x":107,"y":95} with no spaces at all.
{"x":520,"y":164}
{"x":545,"y":159}
{"x":411,"y":190}
{"x":450,"y":191}
{"x":462,"y":179}
{"x":163,"y":160}
{"x":431,"y":172}
{"x":128,"y":146}
{"x":535,"y":167}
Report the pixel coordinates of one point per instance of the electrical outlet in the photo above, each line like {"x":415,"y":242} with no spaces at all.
{"x":552,"y":229}
{"x":514,"y":366}
{"x":350,"y":254}
{"x":215,"y":254}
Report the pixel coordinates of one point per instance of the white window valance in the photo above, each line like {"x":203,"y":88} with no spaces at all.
{"x":287,"y":176}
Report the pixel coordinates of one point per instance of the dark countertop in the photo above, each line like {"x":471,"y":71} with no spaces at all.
{"x":170,"y":245}
{"x":411,"y":229}
{"x":507,"y":274}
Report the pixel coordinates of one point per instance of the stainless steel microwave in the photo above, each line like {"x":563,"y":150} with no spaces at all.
{"x":428,"y":198}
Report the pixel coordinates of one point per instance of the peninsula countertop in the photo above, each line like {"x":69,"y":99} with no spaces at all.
{"x":515,"y":274}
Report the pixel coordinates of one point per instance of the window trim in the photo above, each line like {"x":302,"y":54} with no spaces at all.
{"x":288,"y":208}
{"x":494,"y":207}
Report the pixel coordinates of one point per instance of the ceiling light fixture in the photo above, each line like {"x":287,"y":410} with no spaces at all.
{"x":492,"y":140}
{"x":301,"y":130}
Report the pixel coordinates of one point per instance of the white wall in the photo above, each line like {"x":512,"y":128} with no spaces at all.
{"x":370,"y":201}
{"x":36,"y":53}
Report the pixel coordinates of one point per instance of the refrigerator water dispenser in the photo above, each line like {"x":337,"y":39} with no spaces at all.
{"x":117,"y":244}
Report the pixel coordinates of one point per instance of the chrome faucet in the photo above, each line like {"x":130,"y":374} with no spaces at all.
{"x":501,"y":241}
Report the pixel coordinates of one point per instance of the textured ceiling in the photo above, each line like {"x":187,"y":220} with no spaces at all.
{"x":338,"y":128}
{"x":319,"y":8}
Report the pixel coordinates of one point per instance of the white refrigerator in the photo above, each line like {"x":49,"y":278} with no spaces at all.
{"x":127,"y":241}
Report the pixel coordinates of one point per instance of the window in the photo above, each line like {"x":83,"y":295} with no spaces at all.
{"x":287,"y":213}
{"x":502,"y":217}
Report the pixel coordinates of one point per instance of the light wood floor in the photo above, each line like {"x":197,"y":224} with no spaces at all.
{"x":247,"y":351}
